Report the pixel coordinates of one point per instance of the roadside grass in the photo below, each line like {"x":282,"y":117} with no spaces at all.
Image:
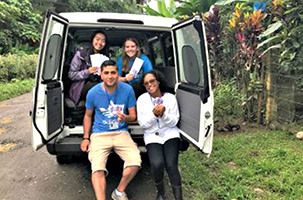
{"x":15,"y":88}
{"x":259,"y":165}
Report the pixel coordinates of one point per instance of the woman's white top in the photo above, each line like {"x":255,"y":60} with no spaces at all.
{"x":158,"y":129}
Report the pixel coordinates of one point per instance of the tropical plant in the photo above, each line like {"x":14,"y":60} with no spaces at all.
{"x":192,"y":7}
{"x":163,"y":10}
{"x":179,"y":9}
{"x":214,"y":35}
{"x":284,"y":33}
{"x":101,"y":6}
{"x":20,"y":24}
{"x":246,"y":25}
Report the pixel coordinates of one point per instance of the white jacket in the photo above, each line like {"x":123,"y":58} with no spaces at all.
{"x":158,"y":129}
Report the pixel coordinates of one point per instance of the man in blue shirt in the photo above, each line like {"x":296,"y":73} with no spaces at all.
{"x":114,"y":104}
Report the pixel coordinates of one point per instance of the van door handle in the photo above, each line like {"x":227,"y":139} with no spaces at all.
{"x":207,"y":130}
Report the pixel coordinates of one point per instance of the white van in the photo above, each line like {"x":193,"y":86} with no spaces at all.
{"x":178,"y":49}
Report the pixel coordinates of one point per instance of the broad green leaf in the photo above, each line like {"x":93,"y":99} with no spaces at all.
{"x":227,"y":2}
{"x":149,"y":10}
{"x":277,"y":46}
{"x":184,"y":11}
{"x":172,"y":4}
{"x":163,"y":10}
{"x":271,"y":39}
{"x":271,"y":28}
{"x":292,"y":55}
{"x":284,"y":53}
{"x":295,"y":10}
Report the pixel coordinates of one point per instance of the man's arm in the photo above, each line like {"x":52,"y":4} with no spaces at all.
{"x":87,"y":121}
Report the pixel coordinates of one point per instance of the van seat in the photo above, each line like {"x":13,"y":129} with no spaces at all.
{"x":169,"y":75}
{"x":73,"y":113}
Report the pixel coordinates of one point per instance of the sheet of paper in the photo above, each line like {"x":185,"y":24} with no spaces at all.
{"x":97,"y":60}
{"x":136,"y":66}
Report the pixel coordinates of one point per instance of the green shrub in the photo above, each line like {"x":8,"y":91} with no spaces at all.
{"x":228,"y":102}
{"x":20,"y":66}
{"x":15,"y":88}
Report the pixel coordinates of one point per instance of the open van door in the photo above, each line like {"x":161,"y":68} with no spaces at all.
{"x":193,"y":86}
{"x":47,"y":113}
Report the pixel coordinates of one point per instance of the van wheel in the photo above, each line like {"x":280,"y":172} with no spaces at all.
{"x":64,"y":159}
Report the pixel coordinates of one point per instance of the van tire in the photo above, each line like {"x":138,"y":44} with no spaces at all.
{"x":64,"y":159}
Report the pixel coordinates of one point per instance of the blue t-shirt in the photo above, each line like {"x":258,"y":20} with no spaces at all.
{"x":146,"y":67}
{"x":106,"y":105}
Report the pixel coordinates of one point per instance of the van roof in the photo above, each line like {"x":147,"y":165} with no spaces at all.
{"x":98,"y":17}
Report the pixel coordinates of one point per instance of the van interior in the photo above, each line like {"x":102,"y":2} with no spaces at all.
{"x":157,"y":45}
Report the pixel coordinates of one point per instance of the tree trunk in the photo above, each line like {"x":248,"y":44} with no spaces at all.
{"x":260,"y":90}
{"x":271,"y":105}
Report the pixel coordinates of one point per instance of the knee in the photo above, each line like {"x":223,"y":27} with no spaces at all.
{"x":157,"y":164}
{"x":129,"y":170}
{"x":98,"y":174}
{"x":172,"y":168}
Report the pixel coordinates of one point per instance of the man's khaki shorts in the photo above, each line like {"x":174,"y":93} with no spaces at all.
{"x":121,"y":142}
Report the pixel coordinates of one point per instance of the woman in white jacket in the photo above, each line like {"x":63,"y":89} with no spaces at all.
{"x":158,"y":114}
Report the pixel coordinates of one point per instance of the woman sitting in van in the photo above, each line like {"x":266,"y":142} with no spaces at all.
{"x":158,"y":115}
{"x":131,"y":51}
{"x":81,"y":72}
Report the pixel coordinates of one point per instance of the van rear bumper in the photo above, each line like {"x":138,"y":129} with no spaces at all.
{"x":69,"y":145}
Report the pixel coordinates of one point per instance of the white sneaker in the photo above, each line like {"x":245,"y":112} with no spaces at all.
{"x":115,"y":197}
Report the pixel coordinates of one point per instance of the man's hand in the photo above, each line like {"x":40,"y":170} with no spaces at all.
{"x":85,"y":145}
{"x":159,"y":110}
{"x":121,"y":117}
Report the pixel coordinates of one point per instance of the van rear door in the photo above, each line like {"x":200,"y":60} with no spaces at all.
{"x":47,"y":114}
{"x":193,"y":87}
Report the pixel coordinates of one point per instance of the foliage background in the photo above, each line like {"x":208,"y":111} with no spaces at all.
{"x":15,"y":66}
{"x":20,"y":26}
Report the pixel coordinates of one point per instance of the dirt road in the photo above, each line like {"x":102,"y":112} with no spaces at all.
{"x":29,"y":175}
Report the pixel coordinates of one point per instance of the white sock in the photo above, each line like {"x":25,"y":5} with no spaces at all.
{"x":118,"y":193}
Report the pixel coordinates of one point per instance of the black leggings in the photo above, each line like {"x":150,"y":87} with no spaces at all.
{"x":165,"y":155}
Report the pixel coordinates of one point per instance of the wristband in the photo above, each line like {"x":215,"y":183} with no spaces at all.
{"x":86,"y":139}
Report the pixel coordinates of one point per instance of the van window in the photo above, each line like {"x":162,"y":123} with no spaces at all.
{"x":157,"y":52}
{"x":191,"y":64}
{"x":53,"y":53}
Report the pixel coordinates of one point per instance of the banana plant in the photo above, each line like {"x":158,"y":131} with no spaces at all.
{"x":185,"y":8}
{"x":191,"y":7}
{"x":163,"y":10}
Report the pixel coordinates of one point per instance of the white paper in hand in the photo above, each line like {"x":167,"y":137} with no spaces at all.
{"x":136,"y":66}
{"x":97,"y":60}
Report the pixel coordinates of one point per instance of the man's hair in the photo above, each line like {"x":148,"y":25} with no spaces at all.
{"x":108,"y":63}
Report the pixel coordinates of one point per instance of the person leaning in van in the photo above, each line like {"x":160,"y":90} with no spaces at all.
{"x":131,"y":51}
{"x":158,"y":114}
{"x":114,"y":104}
{"x":82,"y":74}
